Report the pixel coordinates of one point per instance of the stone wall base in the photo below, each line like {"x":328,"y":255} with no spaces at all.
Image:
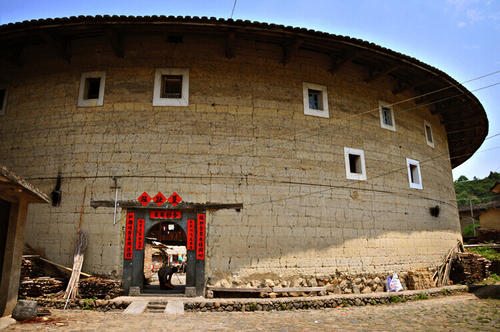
{"x":337,"y":283}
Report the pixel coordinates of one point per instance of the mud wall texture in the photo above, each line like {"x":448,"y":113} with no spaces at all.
{"x":243,"y":138}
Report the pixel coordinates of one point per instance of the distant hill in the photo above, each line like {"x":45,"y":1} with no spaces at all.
{"x":477,"y":189}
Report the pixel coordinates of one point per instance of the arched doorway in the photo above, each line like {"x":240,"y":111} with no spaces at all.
{"x":164,"y":228}
{"x":165,"y":244}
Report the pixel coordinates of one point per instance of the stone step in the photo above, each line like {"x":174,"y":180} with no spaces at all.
{"x":157,"y":306}
{"x":136,"y":308}
{"x":174,"y":308}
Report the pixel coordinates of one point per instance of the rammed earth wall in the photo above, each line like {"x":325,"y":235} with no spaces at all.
{"x":243,"y":138}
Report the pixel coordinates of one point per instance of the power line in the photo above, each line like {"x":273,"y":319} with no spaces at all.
{"x":234,"y":5}
{"x":357,"y":181}
{"x":328,"y":126}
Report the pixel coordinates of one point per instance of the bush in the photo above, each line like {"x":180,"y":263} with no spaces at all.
{"x":486,"y":252}
{"x":469,"y":230}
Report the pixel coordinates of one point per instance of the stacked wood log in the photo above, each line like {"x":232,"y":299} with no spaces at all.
{"x":101,"y":288}
{"x":41,"y":286}
{"x":31,"y":267}
{"x":469,"y":268}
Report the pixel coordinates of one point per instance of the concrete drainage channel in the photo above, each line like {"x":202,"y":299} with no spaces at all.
{"x":138,"y":305}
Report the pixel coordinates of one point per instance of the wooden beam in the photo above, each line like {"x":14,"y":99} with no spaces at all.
{"x":290,"y":50}
{"x":230,"y":38}
{"x":183,"y":206}
{"x":339,"y":63}
{"x":116,"y":42}
{"x":405,"y":86}
{"x":61,"y":47}
{"x":377,"y":74}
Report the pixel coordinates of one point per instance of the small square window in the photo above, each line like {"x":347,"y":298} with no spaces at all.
{"x":92,"y":86}
{"x":428,"y":134}
{"x":414,"y":175}
{"x":171,"y":87}
{"x":3,"y":100}
{"x":91,"y":91}
{"x":387,"y":116}
{"x":355,"y":164}
{"x":315,"y":100}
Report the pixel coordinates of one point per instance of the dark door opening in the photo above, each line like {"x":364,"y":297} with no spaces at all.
{"x":165,"y":251}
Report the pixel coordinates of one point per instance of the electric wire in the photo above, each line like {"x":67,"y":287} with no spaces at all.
{"x":234,"y":6}
{"x":330,"y":124}
{"x":318,"y":130}
{"x":396,"y":170}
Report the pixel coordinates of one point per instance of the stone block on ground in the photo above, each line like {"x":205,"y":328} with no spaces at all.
{"x":25,"y":309}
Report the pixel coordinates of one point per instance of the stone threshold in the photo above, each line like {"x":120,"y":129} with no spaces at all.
{"x":262,"y":304}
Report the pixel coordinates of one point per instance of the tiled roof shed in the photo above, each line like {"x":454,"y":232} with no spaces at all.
{"x":462,"y":114}
{"x":15,"y":195}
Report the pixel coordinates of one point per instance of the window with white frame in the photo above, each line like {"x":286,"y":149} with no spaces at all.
{"x":428,"y":134}
{"x":386,"y":116}
{"x":3,"y":100}
{"x":315,"y":100}
{"x":91,"y":91}
{"x":171,"y":87}
{"x":354,"y":164}
{"x":414,"y":175}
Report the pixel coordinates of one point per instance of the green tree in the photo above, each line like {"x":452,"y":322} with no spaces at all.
{"x":477,"y":189}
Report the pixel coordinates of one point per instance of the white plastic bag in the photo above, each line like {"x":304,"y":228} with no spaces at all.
{"x":395,"y":284}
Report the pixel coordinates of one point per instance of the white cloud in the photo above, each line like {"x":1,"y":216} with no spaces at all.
{"x":461,"y":24}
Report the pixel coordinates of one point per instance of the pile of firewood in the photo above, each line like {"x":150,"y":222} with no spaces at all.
{"x":30,"y":267}
{"x":101,"y":288}
{"x":41,"y":286}
{"x":469,"y":268}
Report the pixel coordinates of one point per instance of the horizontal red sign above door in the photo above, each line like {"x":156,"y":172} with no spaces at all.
{"x":165,"y":215}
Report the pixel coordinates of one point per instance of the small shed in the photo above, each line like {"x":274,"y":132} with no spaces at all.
{"x":15,"y":195}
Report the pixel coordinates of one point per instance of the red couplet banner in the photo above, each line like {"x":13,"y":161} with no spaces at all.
{"x":139,"y":238}
{"x":129,"y":235}
{"x":190,"y":234}
{"x":200,"y":238}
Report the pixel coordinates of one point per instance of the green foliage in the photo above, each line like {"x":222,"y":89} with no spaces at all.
{"x":478,"y":189}
{"x":421,"y":296}
{"x":87,"y":303}
{"x":489,"y":253}
{"x":495,"y":276}
{"x":469,"y":230}
{"x":396,"y":299}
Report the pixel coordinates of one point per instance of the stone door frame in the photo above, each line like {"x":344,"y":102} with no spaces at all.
{"x":133,"y":269}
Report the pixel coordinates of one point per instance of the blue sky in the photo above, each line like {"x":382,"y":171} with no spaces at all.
{"x":460,"y":37}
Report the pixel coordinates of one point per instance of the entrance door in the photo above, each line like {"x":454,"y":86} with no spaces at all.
{"x":168,"y":237}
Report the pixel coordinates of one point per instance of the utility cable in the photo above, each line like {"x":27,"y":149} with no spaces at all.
{"x":234,"y":6}
{"x":250,"y":147}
